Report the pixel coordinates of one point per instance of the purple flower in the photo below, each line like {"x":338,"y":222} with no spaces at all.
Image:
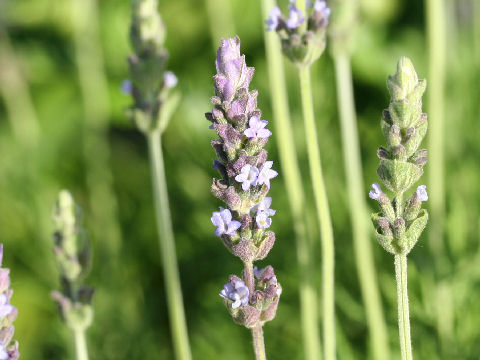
{"x":272,"y":21}
{"x":127,"y":87}
{"x":257,"y":128}
{"x":296,"y":17}
{"x":223,"y":221}
{"x":237,"y":292}
{"x":266,"y":174}
{"x":170,"y":80}
{"x":376,"y":192}
{"x":422,"y":193}
{"x":3,"y":352}
{"x":320,"y":7}
{"x":5,"y":307}
{"x":262,"y":220}
{"x":248,"y":176}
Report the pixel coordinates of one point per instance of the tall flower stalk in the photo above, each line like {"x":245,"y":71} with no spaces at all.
{"x":341,"y":30}
{"x":400,"y":222}
{"x":73,"y":254}
{"x":251,"y":299}
{"x":8,"y":314}
{"x":295,"y":193}
{"x":303,"y":38}
{"x":154,"y":103}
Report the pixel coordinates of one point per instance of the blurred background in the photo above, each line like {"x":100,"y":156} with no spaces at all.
{"x":62,"y":125}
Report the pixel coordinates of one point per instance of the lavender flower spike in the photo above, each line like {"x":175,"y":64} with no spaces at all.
{"x":223,"y":221}
{"x":8,"y":314}
{"x":244,"y":169}
{"x":257,"y":128}
{"x":422,"y":193}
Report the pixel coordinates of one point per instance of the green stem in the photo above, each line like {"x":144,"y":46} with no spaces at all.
{"x":436,"y":32}
{"x":258,"y":344}
{"x":167,"y":249}
{"x":358,"y":210}
{"x":403,"y":312}
{"x":96,"y":150}
{"x":80,"y":345}
{"x":323,"y":212}
{"x":294,"y":188}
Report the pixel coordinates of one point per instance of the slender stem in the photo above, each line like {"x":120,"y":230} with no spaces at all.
{"x":167,"y":249}
{"x":248,"y":276}
{"x":294,"y":188}
{"x":323,"y":212}
{"x":80,"y":344}
{"x":258,"y":344}
{"x":403,"y":312}
{"x":358,"y":210}
{"x":96,"y":150}
{"x":436,"y":32}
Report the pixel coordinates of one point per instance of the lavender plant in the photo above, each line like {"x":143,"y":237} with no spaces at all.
{"x":150,"y":86}
{"x":400,"y":222}
{"x":251,"y":299}
{"x":303,"y":38}
{"x":342,"y":30}
{"x":8,"y":314}
{"x":73,"y":255}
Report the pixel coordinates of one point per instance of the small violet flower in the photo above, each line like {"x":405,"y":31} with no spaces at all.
{"x":296,"y":17}
{"x":321,"y":6}
{"x":264,"y":206}
{"x":223,"y":221}
{"x":257,"y":128}
{"x":5,"y":307}
{"x":266,"y":174}
{"x":248,"y":176}
{"x":170,"y":80}
{"x":272,"y":21}
{"x":237,"y":292}
{"x":422,"y":193}
{"x":376,"y":192}
{"x":127,"y":87}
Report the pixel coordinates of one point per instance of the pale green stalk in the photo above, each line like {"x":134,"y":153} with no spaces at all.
{"x":323,"y":212}
{"x":293,"y":184}
{"x":436,"y":32}
{"x":221,"y":22}
{"x":93,"y":84}
{"x":167,"y":248}
{"x":403,"y":312}
{"x":358,"y":209}
{"x":80,"y":345}
{"x":258,"y":344}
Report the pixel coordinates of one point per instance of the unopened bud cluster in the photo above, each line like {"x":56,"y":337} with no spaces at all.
{"x":400,"y":223}
{"x":150,"y":83}
{"x":8,"y":314}
{"x":302,"y":44}
{"x":72,"y":252}
{"x":243,"y":186}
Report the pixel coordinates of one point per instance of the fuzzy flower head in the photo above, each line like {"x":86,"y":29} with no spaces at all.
{"x":303,"y":36}
{"x":237,"y":291}
{"x":223,"y":221}
{"x":257,"y":128}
